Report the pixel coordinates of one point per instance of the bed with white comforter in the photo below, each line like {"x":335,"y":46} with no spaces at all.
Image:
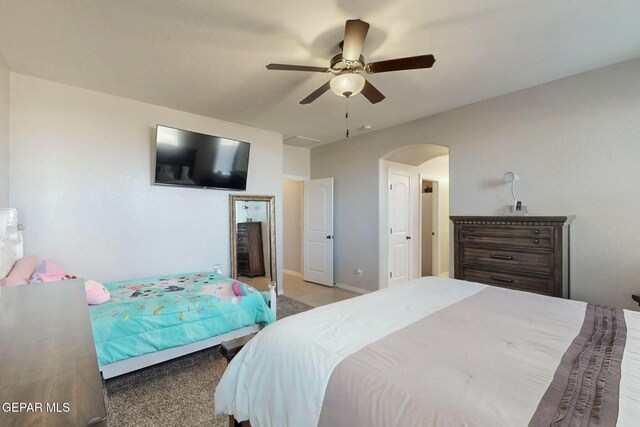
{"x":440,"y":352}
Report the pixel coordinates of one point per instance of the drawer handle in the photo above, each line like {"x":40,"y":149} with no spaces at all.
{"x":507,"y":257}
{"x":471,"y":237}
{"x":536,"y":231}
{"x":501,"y":279}
{"x":536,"y":241}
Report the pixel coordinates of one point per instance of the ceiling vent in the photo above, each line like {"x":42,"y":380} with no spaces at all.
{"x":300,"y":141}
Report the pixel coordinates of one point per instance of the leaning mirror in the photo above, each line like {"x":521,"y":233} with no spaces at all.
{"x":253,"y":240}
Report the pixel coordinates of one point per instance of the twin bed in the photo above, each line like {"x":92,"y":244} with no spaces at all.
{"x":151,"y":320}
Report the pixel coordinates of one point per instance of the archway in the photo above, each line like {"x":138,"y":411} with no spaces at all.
{"x":408,"y":247}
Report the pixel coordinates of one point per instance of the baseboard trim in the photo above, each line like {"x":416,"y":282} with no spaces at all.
{"x":445,"y":275}
{"x":351,"y":288}
{"x":291,"y":272}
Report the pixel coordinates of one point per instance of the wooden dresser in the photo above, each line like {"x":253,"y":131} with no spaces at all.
{"x":249,"y":249}
{"x":48,"y":358}
{"x":528,"y":253}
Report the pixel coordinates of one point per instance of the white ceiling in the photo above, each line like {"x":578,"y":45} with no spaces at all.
{"x":208,"y":57}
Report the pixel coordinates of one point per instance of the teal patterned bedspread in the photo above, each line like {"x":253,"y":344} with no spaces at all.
{"x":148,"y":315}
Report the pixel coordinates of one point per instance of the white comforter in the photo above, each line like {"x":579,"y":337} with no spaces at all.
{"x":280,"y":377}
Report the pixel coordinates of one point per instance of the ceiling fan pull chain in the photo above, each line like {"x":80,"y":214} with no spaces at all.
{"x":347,"y":116}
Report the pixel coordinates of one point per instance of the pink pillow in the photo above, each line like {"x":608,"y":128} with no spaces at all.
{"x":96,"y":292}
{"x":21,"y":271}
{"x":48,"y":272}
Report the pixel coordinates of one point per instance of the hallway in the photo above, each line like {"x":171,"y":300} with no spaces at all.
{"x":311,"y":293}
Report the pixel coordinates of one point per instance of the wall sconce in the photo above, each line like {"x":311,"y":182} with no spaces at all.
{"x":517,"y":208}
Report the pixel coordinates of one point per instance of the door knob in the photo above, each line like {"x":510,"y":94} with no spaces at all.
{"x":329,"y":237}
{"x":408,"y":237}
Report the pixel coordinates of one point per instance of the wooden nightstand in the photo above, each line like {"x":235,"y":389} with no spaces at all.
{"x":636,"y":298}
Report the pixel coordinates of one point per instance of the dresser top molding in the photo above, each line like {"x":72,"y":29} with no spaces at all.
{"x":512,"y":219}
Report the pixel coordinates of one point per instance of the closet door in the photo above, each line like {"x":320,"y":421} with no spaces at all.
{"x":318,"y":231}
{"x":399,"y":227}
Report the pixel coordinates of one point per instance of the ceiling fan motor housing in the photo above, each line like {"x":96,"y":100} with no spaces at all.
{"x":339,"y":65}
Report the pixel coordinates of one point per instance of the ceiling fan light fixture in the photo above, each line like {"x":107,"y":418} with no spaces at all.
{"x":347,"y":84}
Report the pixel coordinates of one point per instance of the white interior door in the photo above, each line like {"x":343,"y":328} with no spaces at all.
{"x":399,"y":227}
{"x":318,"y":231}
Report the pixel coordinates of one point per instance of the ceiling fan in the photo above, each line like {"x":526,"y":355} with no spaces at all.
{"x":347,"y":67}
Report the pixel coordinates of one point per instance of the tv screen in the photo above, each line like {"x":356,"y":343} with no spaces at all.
{"x":192,"y":159}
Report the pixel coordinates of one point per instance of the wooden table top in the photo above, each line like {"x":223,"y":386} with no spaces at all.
{"x":48,"y":359}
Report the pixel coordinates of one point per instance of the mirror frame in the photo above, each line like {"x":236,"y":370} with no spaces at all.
{"x":233,"y":198}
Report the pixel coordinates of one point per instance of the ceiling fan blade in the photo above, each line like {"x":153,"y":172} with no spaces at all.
{"x":411,"y":63}
{"x":285,"y":67}
{"x":355,"y":32}
{"x":371,"y":93}
{"x":316,"y":93}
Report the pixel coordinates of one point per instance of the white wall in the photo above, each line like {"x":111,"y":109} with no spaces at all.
{"x":292,"y":251}
{"x":81,"y":167}
{"x":296,"y":162}
{"x":4,"y":134}
{"x":438,"y":169}
{"x":575,"y":143}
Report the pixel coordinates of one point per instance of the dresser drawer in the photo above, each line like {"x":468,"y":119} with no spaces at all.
{"x":540,"y":262}
{"x":543,"y":231}
{"x":533,"y":283}
{"x":531,"y":241}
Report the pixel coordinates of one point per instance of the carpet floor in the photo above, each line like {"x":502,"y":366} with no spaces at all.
{"x":178,"y":392}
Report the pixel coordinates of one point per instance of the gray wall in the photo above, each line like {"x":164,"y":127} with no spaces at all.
{"x":576,"y":144}
{"x":4,"y":135}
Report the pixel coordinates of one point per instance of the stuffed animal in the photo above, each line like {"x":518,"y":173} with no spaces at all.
{"x":241,"y":289}
{"x":222,"y":290}
{"x":96,"y":292}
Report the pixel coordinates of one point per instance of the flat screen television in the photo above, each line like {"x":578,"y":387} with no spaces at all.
{"x":191,"y":159}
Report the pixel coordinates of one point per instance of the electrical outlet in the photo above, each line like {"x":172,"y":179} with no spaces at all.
{"x":358,"y":272}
